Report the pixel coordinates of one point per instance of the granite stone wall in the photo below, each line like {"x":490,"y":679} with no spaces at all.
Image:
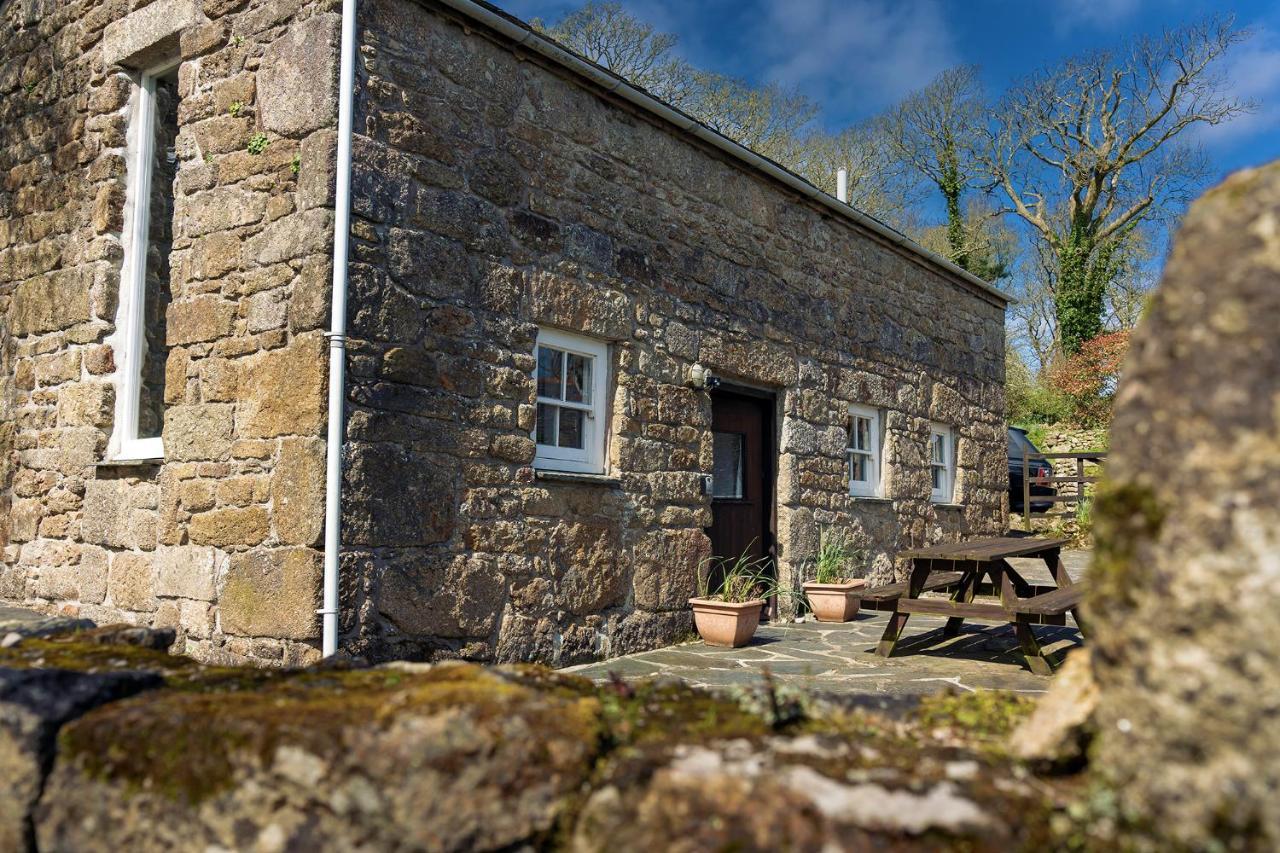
{"x":495,"y":193}
{"x":218,"y":539}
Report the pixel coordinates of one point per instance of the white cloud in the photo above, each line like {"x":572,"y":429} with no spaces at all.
{"x":1252,"y":72}
{"x":1097,"y":14}
{"x":841,"y":50}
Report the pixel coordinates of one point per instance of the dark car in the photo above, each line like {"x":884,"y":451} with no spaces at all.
{"x":1019,"y":447}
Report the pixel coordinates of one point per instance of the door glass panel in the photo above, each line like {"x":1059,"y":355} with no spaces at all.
{"x":726,"y":470}
{"x":571,"y":428}
{"x":546,"y":424}
{"x":549,"y":363}
{"x":577,"y":385}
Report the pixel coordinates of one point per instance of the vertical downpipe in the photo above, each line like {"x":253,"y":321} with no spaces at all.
{"x":337,"y":334}
{"x":842,"y":185}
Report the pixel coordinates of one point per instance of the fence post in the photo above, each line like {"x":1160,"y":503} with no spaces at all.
{"x":1026,"y":491}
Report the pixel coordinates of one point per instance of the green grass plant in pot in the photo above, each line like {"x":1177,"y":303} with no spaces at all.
{"x":833,"y":594}
{"x":729,"y":615}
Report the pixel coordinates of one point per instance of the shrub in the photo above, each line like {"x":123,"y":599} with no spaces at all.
{"x":1028,"y":400}
{"x":1087,"y":380}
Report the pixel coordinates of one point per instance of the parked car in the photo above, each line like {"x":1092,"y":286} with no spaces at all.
{"x":1019,"y":447}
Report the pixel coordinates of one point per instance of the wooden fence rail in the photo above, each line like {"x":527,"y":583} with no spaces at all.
{"x":1075,"y":496}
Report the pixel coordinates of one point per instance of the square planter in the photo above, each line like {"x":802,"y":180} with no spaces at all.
{"x":834,"y":602}
{"x":726,"y":624}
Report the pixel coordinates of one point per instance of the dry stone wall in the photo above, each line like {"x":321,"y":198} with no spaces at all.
{"x":107,"y":744}
{"x":494,"y":194}
{"x":218,"y":541}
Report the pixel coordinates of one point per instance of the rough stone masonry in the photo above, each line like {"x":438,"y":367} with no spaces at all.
{"x":495,"y":193}
{"x":1185,"y":581}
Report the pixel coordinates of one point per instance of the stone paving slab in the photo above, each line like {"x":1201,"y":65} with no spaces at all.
{"x":833,"y":658}
{"x":841,"y":659}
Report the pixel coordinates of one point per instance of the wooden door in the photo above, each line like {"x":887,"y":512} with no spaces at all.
{"x":742,"y":478}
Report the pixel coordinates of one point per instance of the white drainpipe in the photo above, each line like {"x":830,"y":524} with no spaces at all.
{"x":338,"y":333}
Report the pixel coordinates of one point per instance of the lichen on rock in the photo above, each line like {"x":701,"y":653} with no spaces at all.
{"x":1184,"y":603}
{"x":454,"y":756}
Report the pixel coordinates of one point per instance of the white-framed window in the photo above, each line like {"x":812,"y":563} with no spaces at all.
{"x":139,"y":340}
{"x":864,"y":451}
{"x":571,"y":373}
{"x":942,"y":462}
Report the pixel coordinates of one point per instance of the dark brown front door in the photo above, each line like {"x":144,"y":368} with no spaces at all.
{"x":741,"y":477}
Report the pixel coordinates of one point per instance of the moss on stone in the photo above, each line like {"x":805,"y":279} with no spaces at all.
{"x":665,"y":714}
{"x":985,"y":716}
{"x":187,"y":744}
{"x":1126,"y":515}
{"x":72,"y":652}
{"x":78,"y":652}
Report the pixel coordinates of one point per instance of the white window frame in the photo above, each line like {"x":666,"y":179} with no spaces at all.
{"x":945,"y":493}
{"x":129,"y":339}
{"x":871,"y":487}
{"x":590,"y":459}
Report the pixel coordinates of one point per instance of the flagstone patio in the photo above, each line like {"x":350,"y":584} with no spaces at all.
{"x":841,"y":659}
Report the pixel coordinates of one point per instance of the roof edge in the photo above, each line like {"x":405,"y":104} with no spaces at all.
{"x":525,"y":36}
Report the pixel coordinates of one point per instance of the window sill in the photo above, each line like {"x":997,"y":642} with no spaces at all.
{"x":579,"y":478}
{"x":947,"y":505}
{"x":129,"y":463}
{"x":871,"y":499}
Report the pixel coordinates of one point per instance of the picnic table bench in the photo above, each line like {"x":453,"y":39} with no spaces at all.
{"x":959,"y":568}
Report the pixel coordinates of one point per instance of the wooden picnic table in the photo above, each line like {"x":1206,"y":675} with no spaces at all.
{"x":958,"y":568}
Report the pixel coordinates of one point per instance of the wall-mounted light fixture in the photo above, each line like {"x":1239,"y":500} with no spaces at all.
{"x":702,"y":377}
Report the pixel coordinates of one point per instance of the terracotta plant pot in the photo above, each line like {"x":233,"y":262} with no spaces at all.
{"x":722,"y":623}
{"x":834,"y":602}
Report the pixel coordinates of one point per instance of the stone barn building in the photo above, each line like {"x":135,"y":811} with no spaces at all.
{"x":589,"y":343}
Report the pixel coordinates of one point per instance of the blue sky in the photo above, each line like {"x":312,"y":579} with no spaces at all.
{"x":856,"y":57}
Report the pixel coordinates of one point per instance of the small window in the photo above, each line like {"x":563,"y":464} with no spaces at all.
{"x":727,"y":450}
{"x":144,"y":276}
{"x":864,"y":451}
{"x":570,"y":374}
{"x":942,"y":462}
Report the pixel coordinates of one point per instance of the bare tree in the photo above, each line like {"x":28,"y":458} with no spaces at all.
{"x":934,"y":131}
{"x":767,"y":119}
{"x":1088,"y":151}
{"x":1033,"y":320}
{"x":1128,"y":293}
{"x":880,"y":185}
{"x":991,"y":246}
{"x":609,"y":36}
